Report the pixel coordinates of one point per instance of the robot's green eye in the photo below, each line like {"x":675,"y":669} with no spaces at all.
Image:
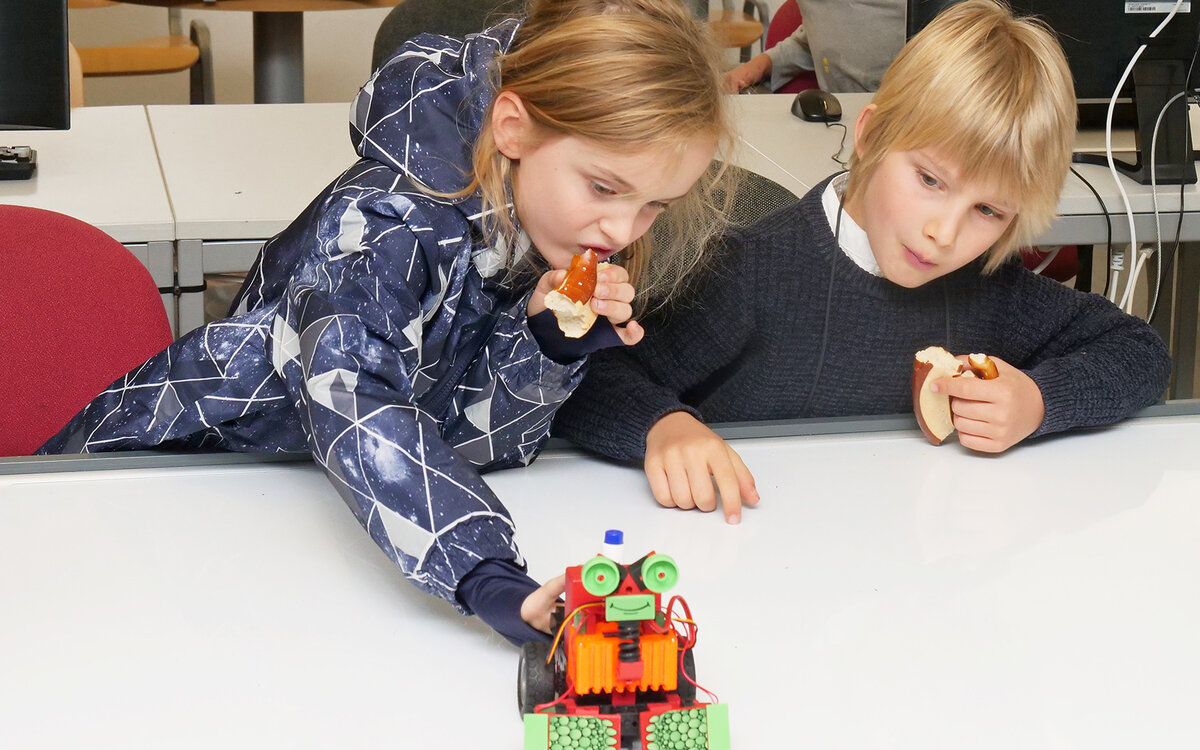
{"x":659,"y":573}
{"x":600,"y":576}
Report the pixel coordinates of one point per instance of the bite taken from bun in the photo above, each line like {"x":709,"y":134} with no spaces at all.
{"x":933,"y":409}
{"x":571,"y":300}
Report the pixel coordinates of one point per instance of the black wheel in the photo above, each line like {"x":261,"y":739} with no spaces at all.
{"x":535,"y":678}
{"x":685,"y":689}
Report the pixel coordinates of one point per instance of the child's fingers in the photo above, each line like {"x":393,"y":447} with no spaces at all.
{"x":700,"y":485}
{"x":980,"y":443}
{"x":618,"y":292}
{"x":679,"y":491}
{"x":617,"y":312}
{"x":660,"y":486}
{"x":746,"y":486}
{"x":611,"y":274}
{"x":970,"y":388}
{"x":631,"y":333}
{"x":729,"y":488}
{"x":539,"y":605}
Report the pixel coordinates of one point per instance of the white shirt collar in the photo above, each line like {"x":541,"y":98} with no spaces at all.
{"x":851,"y":237}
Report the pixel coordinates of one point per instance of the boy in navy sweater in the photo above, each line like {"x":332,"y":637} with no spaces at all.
{"x":818,"y":310}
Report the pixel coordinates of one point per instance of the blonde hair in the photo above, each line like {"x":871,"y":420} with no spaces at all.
{"x":628,"y":75}
{"x":990,"y":91}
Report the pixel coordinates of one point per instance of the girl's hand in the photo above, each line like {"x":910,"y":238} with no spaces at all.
{"x":538,"y":606}
{"x":684,"y":459}
{"x":994,"y":415}
{"x":612,"y":299}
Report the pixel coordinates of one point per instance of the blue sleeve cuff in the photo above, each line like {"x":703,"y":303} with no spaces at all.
{"x":565,"y":350}
{"x":494,"y":590}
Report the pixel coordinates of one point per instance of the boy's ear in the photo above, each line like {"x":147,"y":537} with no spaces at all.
{"x":860,"y":127}
{"x":510,"y":124}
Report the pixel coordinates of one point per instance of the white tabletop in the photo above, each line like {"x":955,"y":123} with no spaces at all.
{"x":104,"y":171}
{"x":886,"y":594}
{"x":244,"y":172}
{"x":802,"y":152}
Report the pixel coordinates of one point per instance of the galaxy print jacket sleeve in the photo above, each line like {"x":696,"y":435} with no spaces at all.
{"x":405,"y":385}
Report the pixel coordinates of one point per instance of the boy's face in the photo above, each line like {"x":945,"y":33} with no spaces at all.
{"x":924,"y":220}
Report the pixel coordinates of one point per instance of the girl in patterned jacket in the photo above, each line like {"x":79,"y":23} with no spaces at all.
{"x":396,"y":330}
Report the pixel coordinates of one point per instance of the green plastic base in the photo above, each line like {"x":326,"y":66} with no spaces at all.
{"x":690,"y":729}
{"x":546,"y":732}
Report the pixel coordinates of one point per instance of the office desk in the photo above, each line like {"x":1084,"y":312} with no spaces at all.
{"x":886,"y":593}
{"x":278,"y":38}
{"x":105,"y":171}
{"x":239,"y":174}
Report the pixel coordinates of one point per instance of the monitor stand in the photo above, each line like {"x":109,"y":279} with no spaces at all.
{"x":1154,"y":83}
{"x":17,"y":162}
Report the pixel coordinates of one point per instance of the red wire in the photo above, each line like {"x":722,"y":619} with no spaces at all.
{"x":689,"y":640}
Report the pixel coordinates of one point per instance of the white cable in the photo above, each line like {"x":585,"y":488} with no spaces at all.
{"x":1051,"y":254}
{"x":1127,"y":300}
{"x":1108,"y":149}
{"x":1154,"y":196}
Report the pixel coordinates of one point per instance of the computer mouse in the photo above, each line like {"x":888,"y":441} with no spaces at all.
{"x":817,"y":105}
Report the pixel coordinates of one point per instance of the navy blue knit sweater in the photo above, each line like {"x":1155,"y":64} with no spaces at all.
{"x":786,"y":326}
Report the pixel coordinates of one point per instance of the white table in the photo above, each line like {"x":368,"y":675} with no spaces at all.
{"x":886,"y":594}
{"x":239,"y":174}
{"x":105,"y":171}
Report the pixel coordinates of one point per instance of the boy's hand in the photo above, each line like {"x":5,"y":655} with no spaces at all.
{"x":747,"y":74}
{"x":612,"y":299}
{"x":684,"y":458}
{"x":994,"y":415}
{"x":538,"y":606}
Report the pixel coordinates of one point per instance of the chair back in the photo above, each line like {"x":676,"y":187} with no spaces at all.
{"x":785,"y":21}
{"x":77,"y":311}
{"x":455,"y":18}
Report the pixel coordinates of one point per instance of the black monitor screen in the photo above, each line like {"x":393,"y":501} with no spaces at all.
{"x":34,"y":89}
{"x":1099,"y":37}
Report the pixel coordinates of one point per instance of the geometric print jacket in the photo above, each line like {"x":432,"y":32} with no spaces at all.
{"x":375,"y":332}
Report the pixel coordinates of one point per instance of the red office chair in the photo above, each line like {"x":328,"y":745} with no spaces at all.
{"x":1058,"y":263}
{"x":785,"y":21}
{"x":77,"y":311}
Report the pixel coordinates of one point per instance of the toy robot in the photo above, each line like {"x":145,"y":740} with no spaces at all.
{"x":619,"y":668}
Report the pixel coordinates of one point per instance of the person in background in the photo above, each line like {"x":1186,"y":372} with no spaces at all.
{"x":396,"y":331}
{"x":849,"y":43}
{"x":819,"y":309}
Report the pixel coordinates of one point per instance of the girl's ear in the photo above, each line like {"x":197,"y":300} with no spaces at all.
{"x":510,"y":124}
{"x":860,"y":127}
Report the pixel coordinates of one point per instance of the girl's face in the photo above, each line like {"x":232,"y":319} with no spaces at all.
{"x":571,"y":194}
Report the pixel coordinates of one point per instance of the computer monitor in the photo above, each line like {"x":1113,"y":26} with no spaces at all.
{"x":1099,"y":38}
{"x":34,"y":84}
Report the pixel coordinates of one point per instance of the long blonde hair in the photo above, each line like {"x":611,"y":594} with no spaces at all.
{"x":627,"y":74}
{"x":991,"y":92}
